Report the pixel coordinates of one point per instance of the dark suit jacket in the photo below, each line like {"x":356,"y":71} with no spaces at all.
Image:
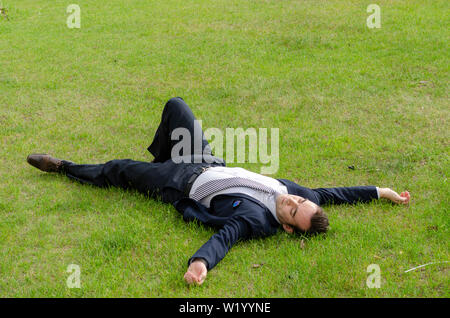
{"x":238,"y":216}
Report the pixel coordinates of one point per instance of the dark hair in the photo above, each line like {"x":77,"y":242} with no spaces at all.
{"x":319,"y":223}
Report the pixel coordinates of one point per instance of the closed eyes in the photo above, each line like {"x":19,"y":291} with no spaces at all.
{"x":294,"y":211}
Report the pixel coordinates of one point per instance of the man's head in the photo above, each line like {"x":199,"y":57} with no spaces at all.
{"x":298,"y":213}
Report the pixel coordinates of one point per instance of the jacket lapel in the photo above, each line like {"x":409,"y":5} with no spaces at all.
{"x":192,"y":209}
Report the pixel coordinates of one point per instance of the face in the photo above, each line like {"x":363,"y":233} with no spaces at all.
{"x":294,"y":211}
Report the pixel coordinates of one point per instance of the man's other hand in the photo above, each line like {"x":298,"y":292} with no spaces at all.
{"x":196,"y":272}
{"x":402,"y":198}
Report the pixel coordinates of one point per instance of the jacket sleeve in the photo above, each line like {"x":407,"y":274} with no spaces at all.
{"x":349,"y":195}
{"x":220,"y":243}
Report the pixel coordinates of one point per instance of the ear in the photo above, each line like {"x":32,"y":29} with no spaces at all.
{"x":288,"y":228}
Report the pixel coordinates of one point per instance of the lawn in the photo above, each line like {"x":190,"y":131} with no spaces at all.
{"x":341,"y":94}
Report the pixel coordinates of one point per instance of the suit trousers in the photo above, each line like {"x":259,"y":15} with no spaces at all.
{"x":166,"y":177}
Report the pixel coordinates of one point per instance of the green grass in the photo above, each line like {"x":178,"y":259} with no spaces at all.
{"x":341,"y":94}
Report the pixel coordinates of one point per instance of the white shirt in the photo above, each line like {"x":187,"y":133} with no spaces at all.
{"x":218,"y":172}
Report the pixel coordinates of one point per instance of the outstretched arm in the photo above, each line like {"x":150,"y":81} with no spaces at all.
{"x":352,"y":195}
{"x":213,"y":251}
{"x":402,"y":198}
{"x":346,"y":195}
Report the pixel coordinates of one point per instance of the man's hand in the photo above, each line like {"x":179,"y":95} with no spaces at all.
{"x":387,"y":193}
{"x":196,"y":272}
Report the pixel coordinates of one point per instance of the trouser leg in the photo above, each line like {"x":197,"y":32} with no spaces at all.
{"x":145,"y":177}
{"x":166,"y":181}
{"x":177,"y":114}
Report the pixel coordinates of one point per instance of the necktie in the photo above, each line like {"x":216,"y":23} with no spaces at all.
{"x":214,"y":186}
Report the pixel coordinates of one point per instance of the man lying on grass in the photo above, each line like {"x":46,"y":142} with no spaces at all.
{"x":239,"y":203}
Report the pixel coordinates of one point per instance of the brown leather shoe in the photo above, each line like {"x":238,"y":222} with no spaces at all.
{"x":45,"y":162}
